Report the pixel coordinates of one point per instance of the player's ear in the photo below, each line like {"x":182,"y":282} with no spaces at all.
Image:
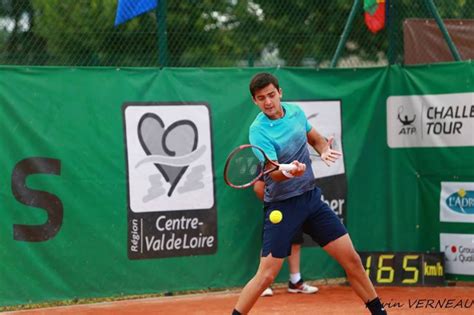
{"x":254,"y":101}
{"x":280,"y":91}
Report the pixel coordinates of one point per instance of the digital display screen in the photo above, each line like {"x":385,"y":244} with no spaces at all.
{"x":404,"y":268}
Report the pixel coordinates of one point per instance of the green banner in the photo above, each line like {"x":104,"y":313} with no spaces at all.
{"x":91,"y":208}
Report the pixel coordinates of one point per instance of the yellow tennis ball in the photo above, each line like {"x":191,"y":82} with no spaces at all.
{"x":276,"y":216}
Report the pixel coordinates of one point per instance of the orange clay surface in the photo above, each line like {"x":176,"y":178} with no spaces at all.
{"x":330,"y":300}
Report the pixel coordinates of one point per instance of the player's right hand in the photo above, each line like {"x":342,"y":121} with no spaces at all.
{"x":300,"y":168}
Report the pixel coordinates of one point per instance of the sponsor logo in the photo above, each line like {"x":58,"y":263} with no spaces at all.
{"x":458,"y":252}
{"x":450,"y":252}
{"x":457,"y":202}
{"x":407,"y":120}
{"x":171,"y":210}
{"x":461,"y":201}
{"x":169,"y":158}
{"x":442,"y":120}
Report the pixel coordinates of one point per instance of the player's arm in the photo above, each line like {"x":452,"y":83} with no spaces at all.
{"x":316,"y":140}
{"x":323,"y":147}
{"x":279,"y":176}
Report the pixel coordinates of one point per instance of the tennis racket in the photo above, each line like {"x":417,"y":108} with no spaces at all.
{"x":243,"y":166}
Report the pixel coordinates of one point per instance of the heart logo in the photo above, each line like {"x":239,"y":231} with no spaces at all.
{"x":180,"y":138}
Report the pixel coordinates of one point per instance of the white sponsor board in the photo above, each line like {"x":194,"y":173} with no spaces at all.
{"x":456,"y":203}
{"x":459,"y":253}
{"x":443,"y":120}
{"x":325,"y":117}
{"x":169,"y":157}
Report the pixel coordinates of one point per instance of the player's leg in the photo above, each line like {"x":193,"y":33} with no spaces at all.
{"x":343,"y":251}
{"x":294,"y":259}
{"x":326,"y":229}
{"x":276,"y":245}
{"x":266,"y":273}
{"x":268,"y":291}
{"x":296,"y":283}
{"x":259,"y":189}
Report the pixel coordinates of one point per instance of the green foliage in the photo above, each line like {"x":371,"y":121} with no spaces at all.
{"x":82,"y":33}
{"x":203,"y":33}
{"x":18,"y":43}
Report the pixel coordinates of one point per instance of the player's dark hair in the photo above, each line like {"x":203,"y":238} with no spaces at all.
{"x":261,"y":80}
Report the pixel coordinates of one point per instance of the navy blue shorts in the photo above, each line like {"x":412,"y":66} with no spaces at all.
{"x":307,"y":212}
{"x":298,"y":239}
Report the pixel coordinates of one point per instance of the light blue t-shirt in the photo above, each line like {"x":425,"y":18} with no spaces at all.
{"x":284,"y":140}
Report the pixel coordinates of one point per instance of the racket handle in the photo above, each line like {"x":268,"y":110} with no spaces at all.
{"x":287,"y":167}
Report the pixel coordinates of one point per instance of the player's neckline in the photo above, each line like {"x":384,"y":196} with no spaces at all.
{"x":279,"y":118}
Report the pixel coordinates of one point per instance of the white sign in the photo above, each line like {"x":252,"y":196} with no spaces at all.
{"x":169,"y":157}
{"x":443,"y":120}
{"x":456,"y":202}
{"x":459,"y":253}
{"x":325,"y":117}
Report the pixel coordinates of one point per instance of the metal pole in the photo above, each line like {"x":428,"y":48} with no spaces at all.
{"x":345,"y":33}
{"x":390,"y":7}
{"x":251,"y":60}
{"x":162,"y":33}
{"x":442,"y":27}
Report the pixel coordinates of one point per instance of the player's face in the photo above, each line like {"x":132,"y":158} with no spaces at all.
{"x":268,"y":100}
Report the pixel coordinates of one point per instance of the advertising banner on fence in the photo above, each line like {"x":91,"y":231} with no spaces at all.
{"x":444,"y":120}
{"x":459,"y":253}
{"x":172,"y":209}
{"x":456,"y":202}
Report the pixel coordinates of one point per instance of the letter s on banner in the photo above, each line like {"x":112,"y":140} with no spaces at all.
{"x":37,"y":198}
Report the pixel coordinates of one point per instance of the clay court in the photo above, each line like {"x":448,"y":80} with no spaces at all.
{"x":330,"y":300}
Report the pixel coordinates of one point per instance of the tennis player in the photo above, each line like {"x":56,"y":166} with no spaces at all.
{"x":282,"y":131}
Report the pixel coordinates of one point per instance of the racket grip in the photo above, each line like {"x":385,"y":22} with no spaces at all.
{"x":286,"y":167}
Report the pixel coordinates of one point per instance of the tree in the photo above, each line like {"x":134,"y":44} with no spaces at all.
{"x":76,"y":30}
{"x":200,"y":33}
{"x":20,"y":45}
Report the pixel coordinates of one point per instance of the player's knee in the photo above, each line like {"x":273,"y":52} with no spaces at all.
{"x":353,"y":262}
{"x":356,"y":262}
{"x":266,"y":277}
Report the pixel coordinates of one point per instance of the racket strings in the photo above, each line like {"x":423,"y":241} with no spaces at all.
{"x":243,"y":167}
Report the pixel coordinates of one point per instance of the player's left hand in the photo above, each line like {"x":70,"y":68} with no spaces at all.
{"x":329,"y":155}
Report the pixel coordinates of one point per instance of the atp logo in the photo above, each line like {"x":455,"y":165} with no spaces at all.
{"x":407,"y":121}
{"x":169,"y":157}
